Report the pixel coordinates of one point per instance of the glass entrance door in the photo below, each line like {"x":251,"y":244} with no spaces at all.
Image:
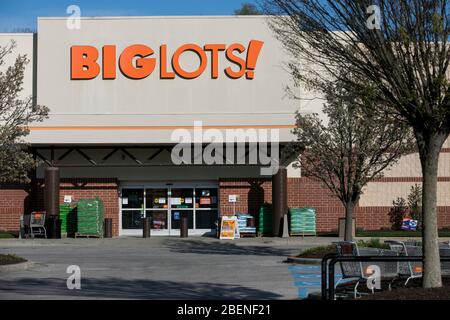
{"x":181,"y":203}
{"x":157,"y":207}
{"x":138,"y":202}
{"x":166,"y":206}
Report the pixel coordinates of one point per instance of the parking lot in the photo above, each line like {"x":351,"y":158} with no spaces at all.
{"x":155,"y":268}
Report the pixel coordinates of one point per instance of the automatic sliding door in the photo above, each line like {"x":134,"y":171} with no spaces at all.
{"x":176,"y":218}
{"x":158,"y":218}
{"x":181,"y":203}
{"x":157,"y":207}
{"x":166,"y":206}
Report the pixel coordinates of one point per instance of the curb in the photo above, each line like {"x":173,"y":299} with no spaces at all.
{"x":16,"y":266}
{"x":303,"y":260}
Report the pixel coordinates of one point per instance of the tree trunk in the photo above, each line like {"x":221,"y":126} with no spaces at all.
{"x":429,"y":149}
{"x":348,"y":234}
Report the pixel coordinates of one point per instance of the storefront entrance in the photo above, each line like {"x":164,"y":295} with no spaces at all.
{"x":165,"y":203}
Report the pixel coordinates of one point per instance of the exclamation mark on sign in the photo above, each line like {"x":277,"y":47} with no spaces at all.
{"x":254,"y":48}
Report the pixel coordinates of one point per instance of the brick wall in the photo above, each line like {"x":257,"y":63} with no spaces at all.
{"x":304,"y":192}
{"x":252,"y":194}
{"x":105,"y":189}
{"x":13,"y":200}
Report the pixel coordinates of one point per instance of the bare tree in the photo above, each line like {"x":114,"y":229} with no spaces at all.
{"x":352,"y":149}
{"x":16,"y":113}
{"x":247,"y":9}
{"x":399,"y":47}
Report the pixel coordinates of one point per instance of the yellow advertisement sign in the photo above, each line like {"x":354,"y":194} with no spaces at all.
{"x":228,"y":228}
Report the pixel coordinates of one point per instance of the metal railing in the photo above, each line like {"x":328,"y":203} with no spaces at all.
{"x":329,"y":261}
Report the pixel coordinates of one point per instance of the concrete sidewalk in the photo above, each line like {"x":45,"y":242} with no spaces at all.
{"x":155,"y":268}
{"x":158,"y":240}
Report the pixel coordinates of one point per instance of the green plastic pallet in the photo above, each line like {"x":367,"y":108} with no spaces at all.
{"x":90,"y":215}
{"x":68,"y":217}
{"x":265,"y":220}
{"x":302,"y":221}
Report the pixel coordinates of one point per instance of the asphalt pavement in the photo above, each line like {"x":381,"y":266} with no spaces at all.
{"x":154,"y":268}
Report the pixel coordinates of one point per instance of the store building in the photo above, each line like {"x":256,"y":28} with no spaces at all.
{"x":123,"y":90}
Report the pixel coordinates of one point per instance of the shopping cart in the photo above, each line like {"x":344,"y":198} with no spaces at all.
{"x":34,"y":224}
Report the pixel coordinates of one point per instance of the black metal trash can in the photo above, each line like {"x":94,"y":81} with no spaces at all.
{"x":53,"y":227}
{"x":146,"y":227}
{"x":108,"y":228}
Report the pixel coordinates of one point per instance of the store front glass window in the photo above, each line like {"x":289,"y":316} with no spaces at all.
{"x":206,"y":198}
{"x":166,"y":206}
{"x":156,"y":199}
{"x":205,"y":219}
{"x":132,"y":198}
{"x":159,"y":219}
{"x":182,"y":198}
{"x":132,"y":219}
{"x":176,"y":218}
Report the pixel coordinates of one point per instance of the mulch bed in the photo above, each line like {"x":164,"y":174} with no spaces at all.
{"x":10,"y":259}
{"x":318,"y":253}
{"x":414,"y":291}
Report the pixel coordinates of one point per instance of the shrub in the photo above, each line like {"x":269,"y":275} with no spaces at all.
{"x":318,"y":252}
{"x":6,"y":235}
{"x":398,"y":213}
{"x":415,"y":203}
{"x":373,"y":243}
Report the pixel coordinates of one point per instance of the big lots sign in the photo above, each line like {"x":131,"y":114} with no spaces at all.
{"x":138,"y":61}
